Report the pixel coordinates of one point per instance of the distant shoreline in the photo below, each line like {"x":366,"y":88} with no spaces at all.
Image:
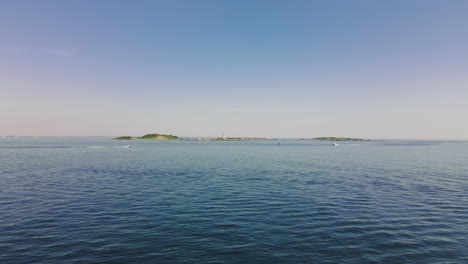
{"x":156,"y":136}
{"x":338,"y":139}
{"x":209,"y":138}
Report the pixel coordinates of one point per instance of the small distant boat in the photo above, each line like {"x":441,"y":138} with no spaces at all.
{"x":335,"y":144}
{"x":129,"y":146}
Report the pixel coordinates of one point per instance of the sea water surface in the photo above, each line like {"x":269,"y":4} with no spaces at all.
{"x":91,"y":200}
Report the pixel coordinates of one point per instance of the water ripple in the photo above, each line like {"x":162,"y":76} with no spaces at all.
{"x":179,"y":202}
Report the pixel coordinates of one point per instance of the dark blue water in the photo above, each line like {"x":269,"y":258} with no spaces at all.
{"x":88,"y":200}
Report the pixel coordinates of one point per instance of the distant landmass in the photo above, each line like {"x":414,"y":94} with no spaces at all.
{"x":340,"y":139}
{"x":158,"y":136}
{"x":149,"y":136}
{"x":162,"y":136}
{"x":125,"y":138}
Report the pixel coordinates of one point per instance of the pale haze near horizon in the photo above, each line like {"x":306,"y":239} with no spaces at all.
{"x":369,"y":69}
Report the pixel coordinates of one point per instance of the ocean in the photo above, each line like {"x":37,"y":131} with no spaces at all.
{"x":91,"y":200}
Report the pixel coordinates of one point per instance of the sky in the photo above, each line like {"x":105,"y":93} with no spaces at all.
{"x":368,"y":69}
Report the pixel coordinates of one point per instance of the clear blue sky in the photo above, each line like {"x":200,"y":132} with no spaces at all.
{"x":373,"y":69}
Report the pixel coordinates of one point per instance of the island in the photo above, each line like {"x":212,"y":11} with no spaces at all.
{"x":149,"y":136}
{"x":125,"y":138}
{"x":158,"y":136}
{"x":340,"y":139}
